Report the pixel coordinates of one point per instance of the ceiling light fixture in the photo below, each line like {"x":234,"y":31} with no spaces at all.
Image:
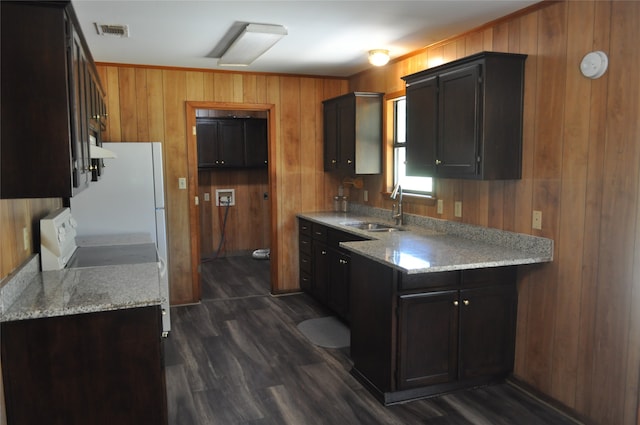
{"x":378,"y":57}
{"x":251,"y":43}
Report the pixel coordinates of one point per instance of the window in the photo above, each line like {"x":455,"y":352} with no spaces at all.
{"x":421,"y":186}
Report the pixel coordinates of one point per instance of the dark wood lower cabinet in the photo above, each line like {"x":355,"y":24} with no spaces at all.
{"x":324,"y":266}
{"x":414,"y":336}
{"x":93,"y":368}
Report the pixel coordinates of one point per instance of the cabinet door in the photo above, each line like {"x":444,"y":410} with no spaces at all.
{"x":459,"y":122}
{"x":231,"y":143}
{"x":320,"y":271}
{"x":338,"y":283}
{"x":207,"y":134}
{"x":428,"y":339}
{"x":82,"y":361}
{"x":422,"y":127}
{"x":487,"y":331}
{"x":256,"y":142}
{"x":80,"y":118}
{"x":347,"y":134}
{"x":331,"y":135}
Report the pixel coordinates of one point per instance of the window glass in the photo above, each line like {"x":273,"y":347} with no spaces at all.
{"x":410,"y":184}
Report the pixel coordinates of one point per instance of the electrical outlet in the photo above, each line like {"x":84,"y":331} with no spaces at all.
{"x":25,"y":238}
{"x":536,"y":221}
{"x":207,"y":197}
{"x":365,"y":195}
{"x":457,"y":210}
{"x":440,"y":206}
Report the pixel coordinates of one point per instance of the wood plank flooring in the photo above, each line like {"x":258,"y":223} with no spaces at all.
{"x":238,"y":358}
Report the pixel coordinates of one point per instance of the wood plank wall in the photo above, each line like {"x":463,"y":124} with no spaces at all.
{"x":148,"y":104}
{"x":248,"y":222}
{"x":16,"y":214}
{"x":579,"y":322}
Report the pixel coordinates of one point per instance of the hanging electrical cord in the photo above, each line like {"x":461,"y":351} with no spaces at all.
{"x":222,"y":231}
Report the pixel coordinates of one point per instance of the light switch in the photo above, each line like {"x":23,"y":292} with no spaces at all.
{"x":440,"y":206}
{"x":182,"y":182}
{"x":457,"y":209}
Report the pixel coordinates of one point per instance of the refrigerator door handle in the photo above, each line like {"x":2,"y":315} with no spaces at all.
{"x":162,"y":265}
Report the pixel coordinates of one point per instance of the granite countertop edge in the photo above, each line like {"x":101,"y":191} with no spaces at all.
{"x":433,"y":245}
{"x":31,"y":294}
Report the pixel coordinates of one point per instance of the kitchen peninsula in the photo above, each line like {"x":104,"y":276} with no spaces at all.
{"x":75,"y":337}
{"x":432,"y":305}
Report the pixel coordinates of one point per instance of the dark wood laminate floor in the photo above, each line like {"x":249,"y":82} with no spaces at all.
{"x":238,"y":358}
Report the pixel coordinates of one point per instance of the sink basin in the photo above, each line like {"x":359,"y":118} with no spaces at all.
{"x":371,"y":226}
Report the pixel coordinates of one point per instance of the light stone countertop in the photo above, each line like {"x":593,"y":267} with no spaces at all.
{"x":429,"y":245}
{"x":31,"y":294}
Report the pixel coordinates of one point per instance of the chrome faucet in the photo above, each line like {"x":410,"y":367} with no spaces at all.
{"x":397,"y":215}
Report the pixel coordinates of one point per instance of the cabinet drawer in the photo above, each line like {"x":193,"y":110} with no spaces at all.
{"x":305,"y":263}
{"x":449,"y":280}
{"x":305,"y":281}
{"x":319,"y":232}
{"x":489,"y":276}
{"x":304,"y":226}
{"x":305,"y":244}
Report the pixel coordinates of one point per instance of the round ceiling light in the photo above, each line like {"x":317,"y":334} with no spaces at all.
{"x":378,"y":57}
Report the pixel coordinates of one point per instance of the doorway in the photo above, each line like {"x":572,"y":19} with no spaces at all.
{"x":202,"y":186}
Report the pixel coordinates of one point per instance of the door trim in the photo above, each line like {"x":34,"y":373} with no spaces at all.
{"x":192,"y":161}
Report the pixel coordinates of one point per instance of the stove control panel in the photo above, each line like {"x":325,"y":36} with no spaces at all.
{"x":57,"y":239}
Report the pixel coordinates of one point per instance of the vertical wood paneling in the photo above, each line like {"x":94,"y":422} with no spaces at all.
{"x":113,"y":131}
{"x":290,"y":187}
{"x":247,"y":226}
{"x":308,"y":151}
{"x":618,"y":220}
{"x":177,"y":205}
{"x":142,"y":107}
{"x":578,"y":332}
{"x":593,"y":206}
{"x":128,"y":104}
{"x":572,"y":208}
{"x":16,"y":214}
{"x":546,"y":187}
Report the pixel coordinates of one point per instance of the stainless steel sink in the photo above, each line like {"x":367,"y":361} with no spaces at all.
{"x":371,"y":226}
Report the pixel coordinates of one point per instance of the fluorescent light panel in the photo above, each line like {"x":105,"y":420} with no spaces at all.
{"x":252,"y":42}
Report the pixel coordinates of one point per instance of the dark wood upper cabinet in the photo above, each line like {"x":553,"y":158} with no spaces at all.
{"x":256,"y":143}
{"x":464,"y":118}
{"x":51,"y":97}
{"x":232,"y":142}
{"x":353,"y":133}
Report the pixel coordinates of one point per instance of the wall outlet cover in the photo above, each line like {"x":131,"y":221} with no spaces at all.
{"x":458,"y":209}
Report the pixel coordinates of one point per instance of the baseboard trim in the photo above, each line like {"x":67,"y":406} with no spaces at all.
{"x":548,"y":401}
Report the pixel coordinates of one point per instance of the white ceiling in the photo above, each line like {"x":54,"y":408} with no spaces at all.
{"x":327,"y":37}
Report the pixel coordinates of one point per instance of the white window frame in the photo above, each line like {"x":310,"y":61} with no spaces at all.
{"x":411,"y":185}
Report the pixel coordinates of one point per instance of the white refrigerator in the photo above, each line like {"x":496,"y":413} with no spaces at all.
{"x":128,"y":199}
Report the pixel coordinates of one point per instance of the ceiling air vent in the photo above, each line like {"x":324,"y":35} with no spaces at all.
{"x":112,"y":30}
